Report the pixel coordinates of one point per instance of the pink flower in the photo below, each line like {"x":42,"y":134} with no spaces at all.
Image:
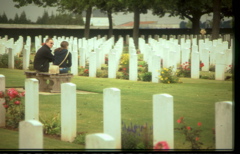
{"x":188,"y":128}
{"x":161,"y":145}
{"x":17,"y":102}
{"x":199,"y":124}
{"x":12,"y":93}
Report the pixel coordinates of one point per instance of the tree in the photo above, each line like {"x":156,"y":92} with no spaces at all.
{"x":23,"y":18}
{"x":3,"y":18}
{"x":190,"y":9}
{"x":75,"y":6}
{"x":137,"y":7}
{"x":216,"y":18}
{"x":16,"y":19}
{"x":221,"y":9}
{"x":110,"y":6}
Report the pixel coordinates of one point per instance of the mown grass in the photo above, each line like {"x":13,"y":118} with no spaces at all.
{"x":194,"y":99}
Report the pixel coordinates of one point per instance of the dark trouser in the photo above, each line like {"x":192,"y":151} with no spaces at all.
{"x":64,"y":70}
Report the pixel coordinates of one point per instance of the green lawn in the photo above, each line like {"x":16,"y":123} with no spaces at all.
{"x":194,"y":99}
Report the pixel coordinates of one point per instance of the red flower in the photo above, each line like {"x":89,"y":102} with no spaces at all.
{"x":161,"y":145}
{"x":140,"y":65}
{"x":124,"y":69}
{"x":180,"y":120}
{"x":188,"y":128}
{"x":202,"y":64}
{"x":5,"y":105}
{"x":17,"y":102}
{"x":197,"y":138}
{"x":12,"y":93}
{"x":199,"y":124}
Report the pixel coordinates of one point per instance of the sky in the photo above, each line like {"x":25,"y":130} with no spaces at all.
{"x":33,"y":12}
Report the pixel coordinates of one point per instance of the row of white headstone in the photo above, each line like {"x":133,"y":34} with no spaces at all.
{"x":169,"y":52}
{"x":31,"y":130}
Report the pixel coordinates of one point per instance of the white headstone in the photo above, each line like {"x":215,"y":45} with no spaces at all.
{"x":195,"y":65}
{"x":156,"y":68}
{"x":30,"y":134}
{"x":10,"y":58}
{"x":2,"y":100}
{"x":111,"y":65}
{"x":133,"y":70}
{"x":68,"y":112}
{"x":74,"y":68}
{"x":92,"y":65}
{"x":163,"y":123}
{"x":112,"y":114}
{"x":82,"y":53}
{"x":100,"y":141}
{"x":31,"y":99}
{"x":224,"y":125}
{"x":205,"y":59}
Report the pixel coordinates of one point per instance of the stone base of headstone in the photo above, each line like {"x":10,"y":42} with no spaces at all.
{"x":100,"y":141}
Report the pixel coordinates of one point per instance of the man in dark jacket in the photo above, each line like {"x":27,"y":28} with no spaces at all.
{"x":44,"y":56}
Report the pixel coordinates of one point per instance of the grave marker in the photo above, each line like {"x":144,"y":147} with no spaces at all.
{"x":100,"y":141}
{"x":2,"y":100}
{"x":31,"y":99}
{"x":68,"y":112}
{"x":30,"y":134}
{"x":112,"y":114}
{"x":163,"y":125}
{"x":224,"y":125}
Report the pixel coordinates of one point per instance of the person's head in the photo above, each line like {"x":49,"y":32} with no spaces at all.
{"x":64,"y":44}
{"x":49,"y":42}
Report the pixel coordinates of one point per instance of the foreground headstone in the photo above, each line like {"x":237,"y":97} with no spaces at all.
{"x":163,"y":128}
{"x":31,"y":99}
{"x":68,"y":112}
{"x":2,"y":100}
{"x":10,"y":58}
{"x":112,"y":114}
{"x":100,"y":141}
{"x":224,"y":125}
{"x":30,"y":134}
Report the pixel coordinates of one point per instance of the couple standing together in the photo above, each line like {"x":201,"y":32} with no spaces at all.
{"x":61,"y":56}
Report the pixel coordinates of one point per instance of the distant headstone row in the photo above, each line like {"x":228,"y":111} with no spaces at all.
{"x":171,"y":52}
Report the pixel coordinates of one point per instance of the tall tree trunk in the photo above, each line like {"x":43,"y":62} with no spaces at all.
{"x":195,"y":24}
{"x":87,"y":24}
{"x":136,"y":26}
{"x":110,"y":31}
{"x":216,"y":18}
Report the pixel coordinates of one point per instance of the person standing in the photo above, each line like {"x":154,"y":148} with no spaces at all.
{"x":44,"y":56}
{"x":63,"y":57}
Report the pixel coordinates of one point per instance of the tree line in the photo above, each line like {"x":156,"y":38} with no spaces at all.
{"x":190,"y":9}
{"x":59,"y":19}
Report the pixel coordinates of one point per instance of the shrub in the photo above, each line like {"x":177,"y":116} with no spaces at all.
{"x":212,"y":68}
{"x":83,"y":71}
{"x":102,"y":73}
{"x":18,"y":63}
{"x":4,"y":61}
{"x":168,"y":76}
{"x":185,"y":69}
{"x":147,"y":76}
{"x":51,"y":126}
{"x":137,"y":137}
{"x":80,"y":138}
{"x":14,"y":106}
{"x":192,"y":134}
